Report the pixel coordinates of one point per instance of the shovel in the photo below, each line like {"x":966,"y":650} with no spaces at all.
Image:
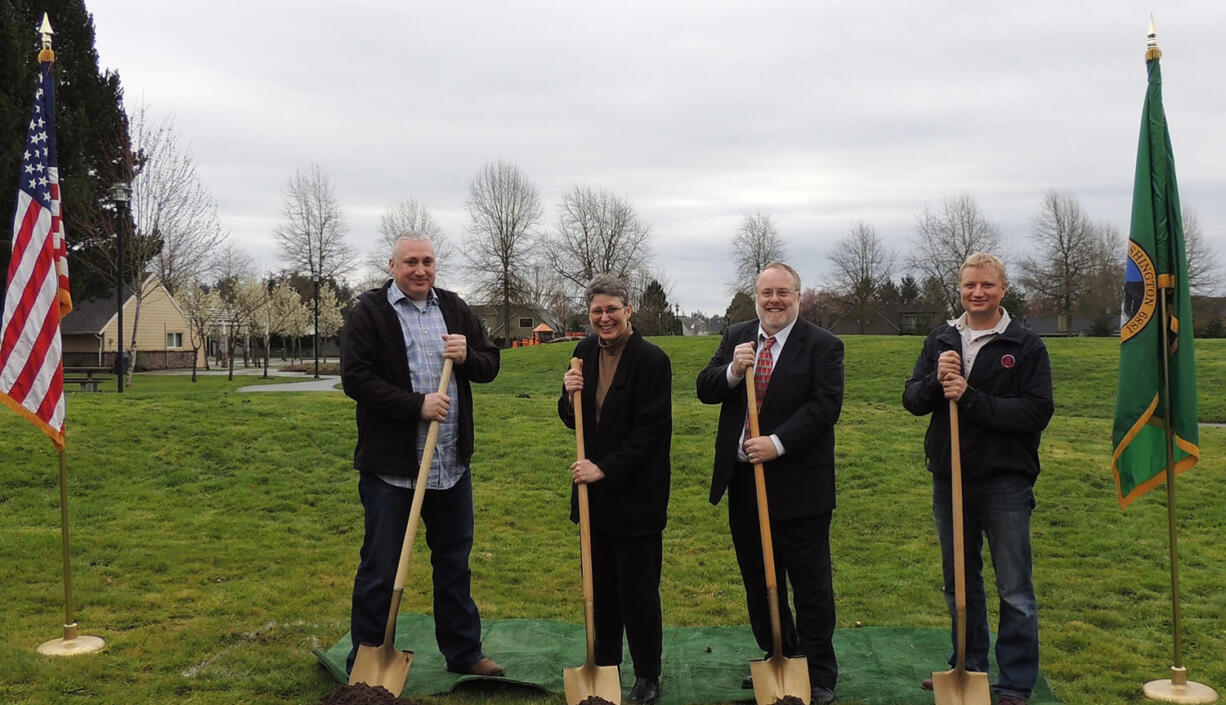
{"x":777,"y":676}
{"x":386,"y":665}
{"x":959,"y":686}
{"x":589,"y":679}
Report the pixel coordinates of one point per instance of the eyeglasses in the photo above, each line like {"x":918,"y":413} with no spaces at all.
{"x":610,"y":311}
{"x":771,"y":293}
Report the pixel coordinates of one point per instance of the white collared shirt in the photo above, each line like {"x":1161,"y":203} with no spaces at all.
{"x":974,"y":340}
{"x":776,"y":348}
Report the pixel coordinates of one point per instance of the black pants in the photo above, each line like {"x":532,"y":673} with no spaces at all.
{"x":626,"y":580}
{"x":802,"y":558}
{"x":448,"y":516}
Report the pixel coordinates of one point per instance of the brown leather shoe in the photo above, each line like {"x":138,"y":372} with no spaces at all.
{"x":485,"y":667}
{"x":926,"y":684}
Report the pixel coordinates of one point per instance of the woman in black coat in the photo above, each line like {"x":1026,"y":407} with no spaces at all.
{"x":626,"y":385}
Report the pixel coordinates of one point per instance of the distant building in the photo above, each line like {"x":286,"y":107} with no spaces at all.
{"x":524,"y":321}
{"x":163,"y":333}
{"x":691,"y":325}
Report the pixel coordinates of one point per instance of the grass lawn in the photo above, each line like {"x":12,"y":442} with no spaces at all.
{"x":215,"y":533}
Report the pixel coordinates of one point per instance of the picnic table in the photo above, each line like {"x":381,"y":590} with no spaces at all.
{"x":85,"y":377}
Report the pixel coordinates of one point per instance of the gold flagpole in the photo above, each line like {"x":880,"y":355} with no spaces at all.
{"x":1177,"y":688}
{"x":72,"y":643}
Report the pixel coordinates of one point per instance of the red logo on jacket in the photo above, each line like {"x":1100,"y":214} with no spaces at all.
{"x":1007,"y":361}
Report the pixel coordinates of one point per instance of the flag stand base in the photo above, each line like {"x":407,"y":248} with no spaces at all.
{"x":72,"y":644}
{"x":1178,"y":689}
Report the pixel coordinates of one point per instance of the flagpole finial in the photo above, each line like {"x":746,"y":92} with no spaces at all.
{"x":46,"y":55}
{"x":1151,"y":44}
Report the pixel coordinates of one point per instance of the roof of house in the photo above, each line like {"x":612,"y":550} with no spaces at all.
{"x":90,"y":316}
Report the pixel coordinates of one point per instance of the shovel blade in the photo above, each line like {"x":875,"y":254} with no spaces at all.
{"x":778,"y":676}
{"x":961,"y":687}
{"x":585,"y":681}
{"x":384,"y":666}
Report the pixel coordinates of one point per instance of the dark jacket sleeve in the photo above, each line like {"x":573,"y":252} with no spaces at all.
{"x":923,"y":393}
{"x":483,"y":359}
{"x":713,"y":379}
{"x":1028,"y":412}
{"x":566,"y":411}
{"x":801,"y":430}
{"x":364,"y":369}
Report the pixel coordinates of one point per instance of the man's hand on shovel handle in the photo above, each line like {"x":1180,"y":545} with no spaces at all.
{"x":949,"y":374}
{"x":742,"y":359}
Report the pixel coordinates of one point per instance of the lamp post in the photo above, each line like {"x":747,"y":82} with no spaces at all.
{"x":120,"y":194}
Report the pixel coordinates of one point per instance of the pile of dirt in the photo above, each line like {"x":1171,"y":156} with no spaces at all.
{"x":363,"y":694}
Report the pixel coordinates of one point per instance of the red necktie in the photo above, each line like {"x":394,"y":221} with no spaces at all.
{"x":762,"y":370}
{"x":761,"y":376}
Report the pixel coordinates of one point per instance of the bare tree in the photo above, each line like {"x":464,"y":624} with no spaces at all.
{"x":408,"y":216}
{"x":862,"y":265}
{"x":1204,"y":270}
{"x":755,"y":245}
{"x":549,"y":292}
{"x":312,"y":238}
{"x":597,"y":232}
{"x":945,"y":238}
{"x":1101,"y":299}
{"x":503,"y":209}
{"x":170,"y":203}
{"x":1064,"y":254}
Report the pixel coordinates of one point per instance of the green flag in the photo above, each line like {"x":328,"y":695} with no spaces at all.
{"x":1157,"y":267}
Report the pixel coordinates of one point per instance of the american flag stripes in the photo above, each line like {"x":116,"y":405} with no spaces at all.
{"x":31,"y":361}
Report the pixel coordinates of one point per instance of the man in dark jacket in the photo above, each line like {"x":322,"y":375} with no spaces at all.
{"x":392,"y":350}
{"x":799,"y":376}
{"x":999,"y":374}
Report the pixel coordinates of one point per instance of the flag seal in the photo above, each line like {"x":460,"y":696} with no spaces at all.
{"x":1140,"y":291}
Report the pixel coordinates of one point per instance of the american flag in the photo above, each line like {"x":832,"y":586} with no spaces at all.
{"x":36,"y":298}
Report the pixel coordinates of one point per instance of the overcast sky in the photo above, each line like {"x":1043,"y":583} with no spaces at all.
{"x":819,"y":114}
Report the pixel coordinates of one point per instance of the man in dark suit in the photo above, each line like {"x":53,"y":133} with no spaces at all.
{"x":393,"y":346}
{"x":800,"y":390}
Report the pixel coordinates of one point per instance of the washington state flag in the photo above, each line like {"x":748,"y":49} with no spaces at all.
{"x":1151,"y":416}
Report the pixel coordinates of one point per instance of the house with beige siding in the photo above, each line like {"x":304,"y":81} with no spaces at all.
{"x":163,"y":335}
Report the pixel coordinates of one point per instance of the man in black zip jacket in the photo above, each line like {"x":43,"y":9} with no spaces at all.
{"x":393,"y":348}
{"x":999,"y":374}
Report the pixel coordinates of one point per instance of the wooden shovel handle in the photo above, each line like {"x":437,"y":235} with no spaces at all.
{"x":955,"y":480}
{"x":585,"y":529}
{"x":419,"y":496}
{"x":764,"y":521}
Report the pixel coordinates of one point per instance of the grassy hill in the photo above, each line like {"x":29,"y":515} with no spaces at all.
{"x":215,"y":533}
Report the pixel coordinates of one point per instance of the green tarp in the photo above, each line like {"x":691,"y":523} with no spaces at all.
{"x":877,"y":665}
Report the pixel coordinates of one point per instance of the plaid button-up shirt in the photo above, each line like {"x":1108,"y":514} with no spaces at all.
{"x":423,"y":327}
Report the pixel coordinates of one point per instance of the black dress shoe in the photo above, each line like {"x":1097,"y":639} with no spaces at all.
{"x":821,"y":696}
{"x":645,"y":691}
{"x":747,"y":683}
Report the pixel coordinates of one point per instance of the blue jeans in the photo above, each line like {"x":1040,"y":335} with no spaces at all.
{"x":998,"y":508}
{"x":448,"y":516}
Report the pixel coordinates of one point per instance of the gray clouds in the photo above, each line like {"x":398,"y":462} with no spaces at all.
{"x":698,"y":113}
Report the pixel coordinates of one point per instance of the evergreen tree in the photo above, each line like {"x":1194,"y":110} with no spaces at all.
{"x":92,"y":132}
{"x":740,"y":309}
{"x":655,"y":316}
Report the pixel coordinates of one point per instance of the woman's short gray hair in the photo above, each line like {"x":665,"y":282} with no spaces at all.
{"x":608,"y":285}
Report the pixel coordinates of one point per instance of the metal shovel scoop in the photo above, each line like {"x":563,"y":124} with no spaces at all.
{"x":777,"y":676}
{"x":959,"y":686}
{"x":386,"y":665}
{"x":589,"y":679}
